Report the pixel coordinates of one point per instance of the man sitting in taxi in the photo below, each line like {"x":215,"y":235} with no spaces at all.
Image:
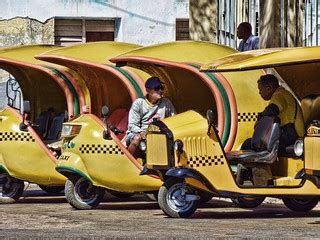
{"x":283,"y":105}
{"x":144,"y":110}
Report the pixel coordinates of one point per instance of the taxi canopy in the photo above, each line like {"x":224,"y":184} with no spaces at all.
{"x":298,"y":67}
{"x":43,"y":85}
{"x":107,"y":84}
{"x":177,"y":64}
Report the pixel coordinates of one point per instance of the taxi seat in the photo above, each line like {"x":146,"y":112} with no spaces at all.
{"x":264,"y":144}
{"x":119,"y":119}
{"x":55,"y":129}
{"x":43,"y":124}
{"x":310,"y":108}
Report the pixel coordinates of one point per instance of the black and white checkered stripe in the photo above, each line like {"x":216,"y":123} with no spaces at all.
{"x":16,"y":136}
{"x":200,"y":161}
{"x":98,"y":148}
{"x":247,"y":117}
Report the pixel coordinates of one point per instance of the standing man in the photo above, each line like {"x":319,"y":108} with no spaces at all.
{"x":248,"y":42}
{"x":144,"y":110}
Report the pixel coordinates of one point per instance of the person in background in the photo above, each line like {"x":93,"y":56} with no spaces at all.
{"x":248,"y":42}
{"x":144,"y":110}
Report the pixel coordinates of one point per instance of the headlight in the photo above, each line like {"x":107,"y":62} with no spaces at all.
{"x":178,"y":146}
{"x":143,"y":146}
{"x":298,"y":147}
{"x":70,"y":130}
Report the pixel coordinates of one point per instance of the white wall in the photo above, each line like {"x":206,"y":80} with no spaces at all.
{"x":142,"y":21}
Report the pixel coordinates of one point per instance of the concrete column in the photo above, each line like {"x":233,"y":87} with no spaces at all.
{"x":203,"y":20}
{"x":281,"y":23}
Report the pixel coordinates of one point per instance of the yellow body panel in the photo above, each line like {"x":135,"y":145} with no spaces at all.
{"x":183,"y":51}
{"x":312,"y":153}
{"x":159,"y":152}
{"x":298,"y":67}
{"x":22,"y":155}
{"x":248,"y":100}
{"x":97,"y":52}
{"x":103,"y":160}
{"x":26,"y":53}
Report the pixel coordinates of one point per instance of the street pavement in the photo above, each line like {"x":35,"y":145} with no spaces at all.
{"x":38,"y":215}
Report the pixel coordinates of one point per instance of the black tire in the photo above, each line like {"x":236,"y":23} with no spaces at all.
{"x":81,"y":194}
{"x":300,"y":204}
{"x":172,"y":200}
{"x":120,"y":194}
{"x":11,"y":189}
{"x":52,"y":189}
{"x":205,"y":196}
{"x":248,"y":202}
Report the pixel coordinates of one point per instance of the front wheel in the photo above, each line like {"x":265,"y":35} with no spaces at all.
{"x":300,"y":204}
{"x":177,"y":199}
{"x":11,"y":189}
{"x":81,"y":194}
{"x":248,"y":202}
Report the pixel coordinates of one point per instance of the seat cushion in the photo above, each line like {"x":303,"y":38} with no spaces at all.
{"x":245,"y":156}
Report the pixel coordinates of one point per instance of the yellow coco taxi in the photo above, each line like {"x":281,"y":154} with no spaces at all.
{"x":24,"y":155}
{"x":92,"y":161}
{"x":192,"y":149}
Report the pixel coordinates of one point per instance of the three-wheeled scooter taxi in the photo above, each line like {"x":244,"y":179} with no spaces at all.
{"x":93,"y":157}
{"x":189,"y":146}
{"x":24,"y":155}
{"x":91,"y":161}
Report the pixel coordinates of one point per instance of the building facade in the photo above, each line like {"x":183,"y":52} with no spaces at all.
{"x":65,"y":22}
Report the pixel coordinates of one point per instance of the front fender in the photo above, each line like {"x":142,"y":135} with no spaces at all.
{"x":2,"y":165}
{"x":191,"y":177}
{"x":182,"y":173}
{"x":70,"y":163}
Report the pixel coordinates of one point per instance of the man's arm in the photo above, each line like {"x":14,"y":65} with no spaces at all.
{"x":271,"y":110}
{"x":134,"y":119}
{"x":255,"y":44}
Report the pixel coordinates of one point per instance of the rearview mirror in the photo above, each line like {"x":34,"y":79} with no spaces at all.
{"x":66,"y":115}
{"x":105,"y":111}
{"x":26,"y":107}
{"x":210,"y":120}
{"x":26,"y":110}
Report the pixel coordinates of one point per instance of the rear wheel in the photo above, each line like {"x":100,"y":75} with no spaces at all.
{"x":52,"y":189}
{"x":81,"y":194}
{"x":300,"y":204}
{"x":11,"y":189}
{"x":248,"y":202}
{"x":177,"y":199}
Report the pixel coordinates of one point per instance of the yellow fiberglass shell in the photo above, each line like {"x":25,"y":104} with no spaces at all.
{"x":298,"y":67}
{"x":177,"y":64}
{"x":103,"y":81}
{"x":107,"y":163}
{"x":24,"y":155}
{"x":43,"y":84}
{"x":204,"y":154}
